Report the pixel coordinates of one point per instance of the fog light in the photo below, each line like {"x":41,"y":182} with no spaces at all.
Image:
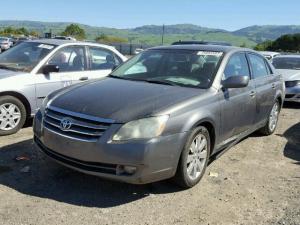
{"x":130,"y":169}
{"x":125,"y":170}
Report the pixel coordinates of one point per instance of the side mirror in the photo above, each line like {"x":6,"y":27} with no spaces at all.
{"x":236,"y":82}
{"x":50,"y":69}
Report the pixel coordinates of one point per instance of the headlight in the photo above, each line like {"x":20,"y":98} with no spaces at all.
{"x":142,"y":129}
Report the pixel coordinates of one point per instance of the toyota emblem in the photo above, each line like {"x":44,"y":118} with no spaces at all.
{"x":65,"y":124}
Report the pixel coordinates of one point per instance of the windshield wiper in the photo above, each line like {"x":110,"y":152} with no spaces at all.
{"x":7,"y":67}
{"x":125,"y":78}
{"x":165,"y":82}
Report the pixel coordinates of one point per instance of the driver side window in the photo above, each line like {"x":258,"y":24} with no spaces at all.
{"x":236,"y":66}
{"x":69,"y":59}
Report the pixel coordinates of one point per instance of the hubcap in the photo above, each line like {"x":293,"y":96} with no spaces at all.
{"x":197,"y":157}
{"x":273,"y":117}
{"x":10,"y":116}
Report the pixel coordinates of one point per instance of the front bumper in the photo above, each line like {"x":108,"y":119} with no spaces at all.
{"x":155,"y":159}
{"x":292,"y":94}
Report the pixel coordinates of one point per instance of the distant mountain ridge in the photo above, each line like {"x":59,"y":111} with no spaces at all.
{"x":151,"y":34}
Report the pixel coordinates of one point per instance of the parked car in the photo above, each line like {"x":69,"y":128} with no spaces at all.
{"x":18,"y":40}
{"x":32,"y":69}
{"x":65,"y":38}
{"x":161,"y":114}
{"x":222,"y":43}
{"x":138,"y":50}
{"x":289,"y":67}
{"x":269,"y":55}
{"x":5,"y":43}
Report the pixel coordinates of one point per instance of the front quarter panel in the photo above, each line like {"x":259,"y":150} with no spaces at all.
{"x":22,"y":84}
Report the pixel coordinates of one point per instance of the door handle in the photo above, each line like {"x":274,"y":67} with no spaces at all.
{"x":83,"y":78}
{"x":273,"y":86}
{"x":252,"y":94}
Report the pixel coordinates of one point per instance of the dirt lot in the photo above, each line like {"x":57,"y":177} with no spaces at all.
{"x":257,"y":182}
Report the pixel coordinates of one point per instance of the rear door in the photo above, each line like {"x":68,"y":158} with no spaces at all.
{"x":265,"y":84}
{"x":101,"y":62}
{"x":238,"y":104}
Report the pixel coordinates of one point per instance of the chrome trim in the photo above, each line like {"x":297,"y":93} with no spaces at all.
{"x":80,"y":115}
{"x":77,"y":123}
{"x":96,"y":134}
{"x":71,"y":137}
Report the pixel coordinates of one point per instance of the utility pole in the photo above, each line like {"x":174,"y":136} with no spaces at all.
{"x":163,"y":34}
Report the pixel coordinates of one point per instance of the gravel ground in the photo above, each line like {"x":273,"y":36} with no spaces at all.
{"x":255,"y":182}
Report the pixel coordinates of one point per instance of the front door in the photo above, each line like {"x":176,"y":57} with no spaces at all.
{"x":237,"y":104}
{"x":71,"y":62}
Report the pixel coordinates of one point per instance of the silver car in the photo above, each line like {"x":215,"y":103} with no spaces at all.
{"x":161,"y":114}
{"x":33,"y":69}
{"x":5,"y":43}
{"x":289,"y":67}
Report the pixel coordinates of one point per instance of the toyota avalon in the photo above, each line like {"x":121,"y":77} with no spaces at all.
{"x":162,"y":114}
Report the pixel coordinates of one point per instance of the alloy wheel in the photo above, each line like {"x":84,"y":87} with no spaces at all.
{"x":10,"y":116}
{"x":197,"y":156}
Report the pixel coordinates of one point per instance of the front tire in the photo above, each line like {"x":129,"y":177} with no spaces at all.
{"x":12,"y":115}
{"x":194,"y":158}
{"x":272,"y":122}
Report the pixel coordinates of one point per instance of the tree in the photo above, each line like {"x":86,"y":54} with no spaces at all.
{"x":74,"y":30}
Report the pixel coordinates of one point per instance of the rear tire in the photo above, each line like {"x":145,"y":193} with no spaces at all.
{"x":12,"y":115}
{"x":272,"y":122}
{"x":194,"y":158}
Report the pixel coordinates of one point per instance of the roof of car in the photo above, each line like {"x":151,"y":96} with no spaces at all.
{"x":289,"y":56}
{"x":53,"y":41}
{"x":217,"y":48}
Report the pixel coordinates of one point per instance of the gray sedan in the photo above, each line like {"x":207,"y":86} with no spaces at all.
{"x":162,"y":114}
{"x":33,"y":69}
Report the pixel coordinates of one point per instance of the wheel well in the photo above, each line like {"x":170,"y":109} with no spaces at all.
{"x":209,"y":126}
{"x":280,"y":100}
{"x":21,"y":97}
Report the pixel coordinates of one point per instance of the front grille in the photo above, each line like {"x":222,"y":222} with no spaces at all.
{"x":82,"y":127}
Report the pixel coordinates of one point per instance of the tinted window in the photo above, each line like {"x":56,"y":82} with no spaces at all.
{"x":292,"y":63}
{"x":102,"y":59}
{"x":237,"y":66}
{"x":69,"y":59}
{"x":258,"y":66}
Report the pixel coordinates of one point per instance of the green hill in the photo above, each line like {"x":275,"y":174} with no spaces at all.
{"x":151,"y":34}
{"x":267,"y":32}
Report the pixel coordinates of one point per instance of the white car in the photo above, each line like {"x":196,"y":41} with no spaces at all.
{"x":33,"y":69}
{"x":5,"y":43}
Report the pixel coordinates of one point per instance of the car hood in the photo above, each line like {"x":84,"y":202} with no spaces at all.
{"x":121,"y":100}
{"x":290,"y":75}
{"x":8,"y":73}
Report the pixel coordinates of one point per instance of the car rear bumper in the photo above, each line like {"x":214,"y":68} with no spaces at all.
{"x":153,"y":160}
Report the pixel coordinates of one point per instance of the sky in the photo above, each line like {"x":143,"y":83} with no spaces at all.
{"x":225,"y":14}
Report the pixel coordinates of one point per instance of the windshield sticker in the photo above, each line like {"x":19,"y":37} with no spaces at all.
{"x":46,"y":46}
{"x":206,"y":53}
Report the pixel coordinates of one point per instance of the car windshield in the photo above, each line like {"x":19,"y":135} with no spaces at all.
{"x":291,"y":63}
{"x":3,"y":39}
{"x":24,"y":56}
{"x":172,"y":67}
